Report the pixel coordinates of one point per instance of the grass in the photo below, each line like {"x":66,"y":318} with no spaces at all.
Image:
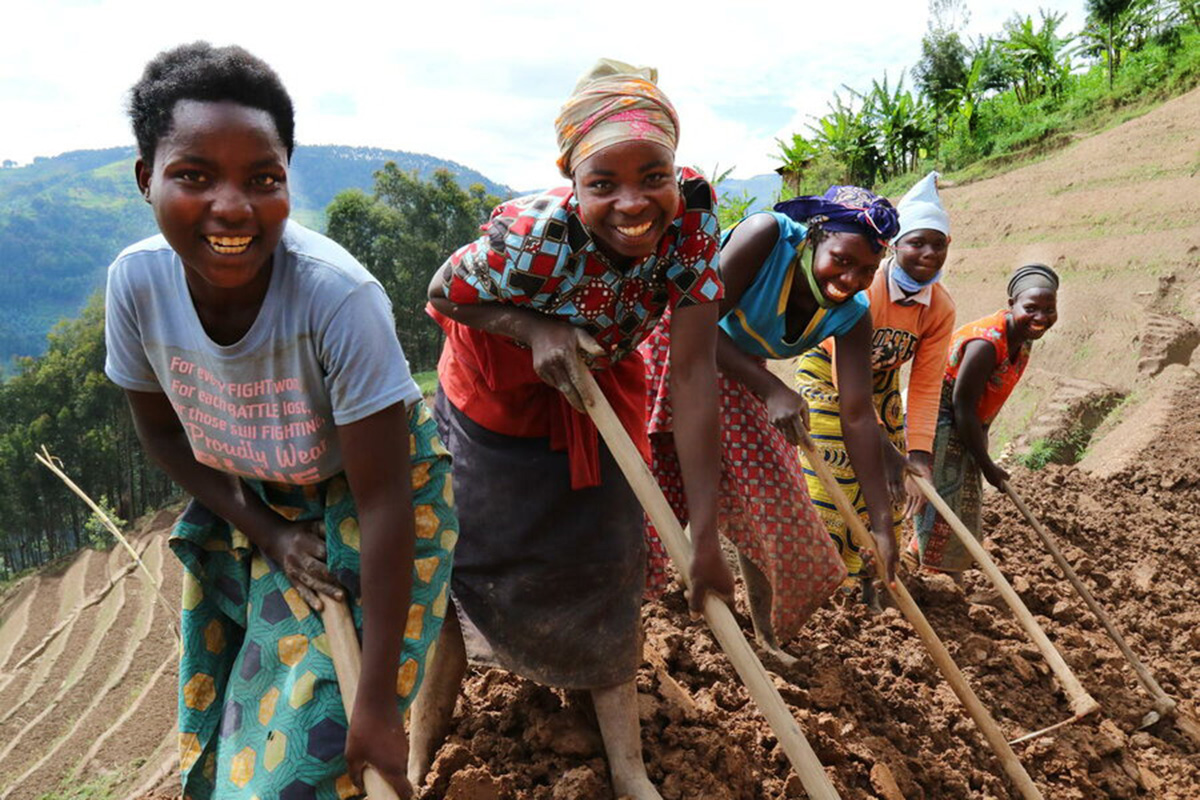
{"x":428,"y":381}
{"x":99,"y":788}
{"x":1040,"y":454}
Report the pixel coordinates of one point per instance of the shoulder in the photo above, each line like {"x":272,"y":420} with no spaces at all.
{"x":764,"y":229}
{"x":942,"y":304}
{"x":695,"y":192}
{"x":139,"y":267}
{"x":151,"y":250}
{"x":321,"y":264}
{"x":857,"y":307}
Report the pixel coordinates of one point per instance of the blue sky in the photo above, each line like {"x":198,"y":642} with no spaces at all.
{"x":475,"y":82}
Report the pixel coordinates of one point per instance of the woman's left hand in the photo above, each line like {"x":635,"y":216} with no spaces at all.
{"x":918,"y":463}
{"x":376,"y":738}
{"x":894,"y":464}
{"x":788,"y":412}
{"x":709,"y":573}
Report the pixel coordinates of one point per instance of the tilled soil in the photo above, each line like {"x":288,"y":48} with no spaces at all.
{"x":872,"y":703}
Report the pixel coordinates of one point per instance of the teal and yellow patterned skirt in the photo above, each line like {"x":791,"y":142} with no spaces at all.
{"x":260,"y":713}
{"x":814,"y":381}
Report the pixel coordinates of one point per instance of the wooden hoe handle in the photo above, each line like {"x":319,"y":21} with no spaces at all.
{"x":724,"y":627}
{"x":937,"y":651}
{"x":347,"y":663}
{"x":1082,"y":703}
{"x":1163,"y":703}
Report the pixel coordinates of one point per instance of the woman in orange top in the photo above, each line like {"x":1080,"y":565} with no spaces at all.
{"x":987,"y":358}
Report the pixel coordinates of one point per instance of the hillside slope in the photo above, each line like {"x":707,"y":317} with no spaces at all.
{"x":63,"y":219}
{"x":1115,"y":214}
{"x":87,"y":691}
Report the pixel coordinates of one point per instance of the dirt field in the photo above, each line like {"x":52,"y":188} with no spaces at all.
{"x":87,"y":670}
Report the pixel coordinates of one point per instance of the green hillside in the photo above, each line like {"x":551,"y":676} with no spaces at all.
{"x":63,"y":219}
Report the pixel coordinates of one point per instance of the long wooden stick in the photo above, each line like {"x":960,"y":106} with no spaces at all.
{"x":52,"y":463}
{"x":347,"y":663}
{"x":1082,"y":703}
{"x":1163,"y":703}
{"x":724,"y":627}
{"x":937,"y":651}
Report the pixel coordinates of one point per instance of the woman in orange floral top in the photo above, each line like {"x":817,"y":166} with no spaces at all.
{"x":987,"y":358}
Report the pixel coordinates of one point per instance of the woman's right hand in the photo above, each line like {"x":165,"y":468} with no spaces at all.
{"x":788,"y":412}
{"x":885,"y":549}
{"x":298,"y":548}
{"x":556,"y":350}
{"x":994,"y":475}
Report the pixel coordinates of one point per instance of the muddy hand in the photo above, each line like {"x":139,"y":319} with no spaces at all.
{"x":299,"y":550}
{"x":994,"y":475}
{"x":376,"y":738}
{"x":709,"y":573}
{"x":557,"y":347}
{"x":915,"y":499}
{"x":788,"y":412}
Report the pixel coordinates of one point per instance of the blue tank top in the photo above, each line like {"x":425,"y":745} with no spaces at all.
{"x":758,"y":325}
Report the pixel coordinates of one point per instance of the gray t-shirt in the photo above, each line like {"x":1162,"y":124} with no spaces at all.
{"x":322,"y":352}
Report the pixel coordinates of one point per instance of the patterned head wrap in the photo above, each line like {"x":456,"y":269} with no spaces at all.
{"x":613,"y":103}
{"x":846,"y":209}
{"x":1032,"y":276}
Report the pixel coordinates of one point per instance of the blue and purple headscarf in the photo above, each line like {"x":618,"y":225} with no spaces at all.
{"x":847,"y":209}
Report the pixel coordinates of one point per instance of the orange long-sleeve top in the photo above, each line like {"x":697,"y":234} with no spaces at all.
{"x":917,"y":329}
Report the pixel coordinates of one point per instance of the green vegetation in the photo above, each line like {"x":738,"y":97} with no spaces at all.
{"x":402,"y":233}
{"x":982,"y":105}
{"x":1041,"y":453}
{"x":64,"y":219}
{"x":427,"y":380}
{"x":99,"y":788}
{"x":64,"y":401}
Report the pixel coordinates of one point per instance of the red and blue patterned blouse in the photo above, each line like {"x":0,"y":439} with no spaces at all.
{"x":537,"y":253}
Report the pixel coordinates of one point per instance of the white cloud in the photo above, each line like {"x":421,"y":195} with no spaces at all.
{"x":474,"y":82}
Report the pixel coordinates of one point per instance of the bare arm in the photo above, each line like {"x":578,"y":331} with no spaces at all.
{"x":694,"y":396}
{"x":978,"y":363}
{"x":298,"y":547}
{"x":375,"y":452}
{"x":555,"y":344}
{"x":742,"y":257}
{"x":863,"y":436}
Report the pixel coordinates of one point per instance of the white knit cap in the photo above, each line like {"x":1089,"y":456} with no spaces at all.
{"x":921,"y":208}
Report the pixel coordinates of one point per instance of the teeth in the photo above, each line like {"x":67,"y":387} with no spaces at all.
{"x":835,"y":294}
{"x":229,"y":244}
{"x":634,"y":230}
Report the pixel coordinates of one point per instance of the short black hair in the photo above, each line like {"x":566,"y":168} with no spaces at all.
{"x":199,"y":71}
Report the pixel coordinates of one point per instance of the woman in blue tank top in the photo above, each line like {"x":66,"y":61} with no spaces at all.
{"x":793,"y":278}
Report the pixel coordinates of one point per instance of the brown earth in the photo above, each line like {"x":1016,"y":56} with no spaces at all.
{"x":1119,"y":215}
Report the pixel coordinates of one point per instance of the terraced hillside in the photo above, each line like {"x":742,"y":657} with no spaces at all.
{"x":87,"y":659}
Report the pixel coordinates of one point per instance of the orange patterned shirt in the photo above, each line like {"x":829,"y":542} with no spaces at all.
{"x":993,"y":330}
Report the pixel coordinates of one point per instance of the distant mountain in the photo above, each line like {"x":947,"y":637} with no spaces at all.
{"x":763,"y":188}
{"x":63,"y":219}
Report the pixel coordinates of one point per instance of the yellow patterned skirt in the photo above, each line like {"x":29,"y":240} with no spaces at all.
{"x":814,"y":381}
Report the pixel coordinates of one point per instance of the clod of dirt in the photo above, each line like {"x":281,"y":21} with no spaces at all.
{"x":1064,"y":422}
{"x":473,"y":783}
{"x":1166,"y":339}
{"x":580,"y":783}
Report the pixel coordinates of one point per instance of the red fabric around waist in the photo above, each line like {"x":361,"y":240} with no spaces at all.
{"x":491,"y":380}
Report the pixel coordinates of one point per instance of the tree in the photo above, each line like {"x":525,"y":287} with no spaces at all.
{"x":402,"y":234}
{"x":1108,"y":18}
{"x":1039,"y":57}
{"x":942,"y":68}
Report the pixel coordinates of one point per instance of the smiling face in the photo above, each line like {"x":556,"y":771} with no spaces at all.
{"x":921,"y":253}
{"x":627,"y":196}
{"x":1034,"y":311}
{"x":843,"y":265}
{"x":218,"y":186}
